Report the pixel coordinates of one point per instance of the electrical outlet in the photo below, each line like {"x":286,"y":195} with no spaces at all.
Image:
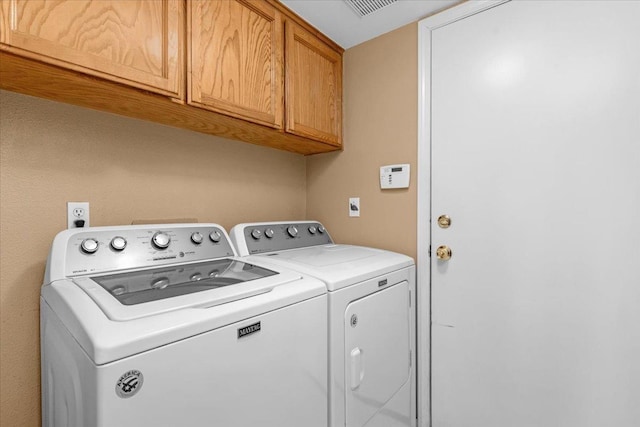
{"x":77,"y":214}
{"x":354,"y":206}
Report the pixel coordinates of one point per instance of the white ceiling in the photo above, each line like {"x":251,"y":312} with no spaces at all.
{"x":340,"y":23}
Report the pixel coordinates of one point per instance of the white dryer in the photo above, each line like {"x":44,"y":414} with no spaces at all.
{"x":371,"y":317}
{"x":164,"y":326}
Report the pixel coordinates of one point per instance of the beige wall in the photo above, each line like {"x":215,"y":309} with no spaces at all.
{"x":380,"y":128}
{"x":52,"y":153}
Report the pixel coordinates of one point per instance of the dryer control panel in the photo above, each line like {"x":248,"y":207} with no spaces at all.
{"x":103,"y":249}
{"x":251,"y":239}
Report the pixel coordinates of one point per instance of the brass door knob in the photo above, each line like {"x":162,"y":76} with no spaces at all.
{"x":444,"y":253}
{"x":444,"y":221}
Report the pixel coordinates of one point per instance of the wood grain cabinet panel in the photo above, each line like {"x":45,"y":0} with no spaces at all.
{"x":313,"y":81}
{"x":136,"y":42}
{"x":249,"y":70}
{"x":235,"y":59}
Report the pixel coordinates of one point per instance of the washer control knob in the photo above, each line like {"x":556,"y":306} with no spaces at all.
{"x":269,"y":233}
{"x":118,"y":243}
{"x":89,"y":246}
{"x":321,"y":229}
{"x":313,"y":230}
{"x":161,"y":240}
{"x":215,"y":236}
{"x":256,"y":234}
{"x":292,"y":231}
{"x":195,"y":277}
{"x":196,"y":238}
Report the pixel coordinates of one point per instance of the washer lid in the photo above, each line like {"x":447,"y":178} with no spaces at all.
{"x":142,"y":293}
{"x":108,"y":330}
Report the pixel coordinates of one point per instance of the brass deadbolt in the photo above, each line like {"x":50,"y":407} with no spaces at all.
{"x":444,"y":221}
{"x":443,"y":253}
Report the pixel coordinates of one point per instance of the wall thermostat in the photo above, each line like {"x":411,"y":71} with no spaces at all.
{"x":394,"y":176}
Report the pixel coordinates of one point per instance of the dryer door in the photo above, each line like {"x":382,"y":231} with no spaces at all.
{"x":377,"y":358}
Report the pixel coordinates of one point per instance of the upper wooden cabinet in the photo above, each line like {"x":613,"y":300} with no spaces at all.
{"x":136,"y":42}
{"x":235,"y":59}
{"x":313,"y":83}
{"x":249,"y":70}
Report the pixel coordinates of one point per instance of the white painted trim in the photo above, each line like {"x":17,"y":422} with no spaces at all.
{"x":423,"y":263}
{"x":459,"y":12}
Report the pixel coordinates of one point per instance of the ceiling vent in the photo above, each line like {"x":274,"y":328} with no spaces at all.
{"x":367,"y":7}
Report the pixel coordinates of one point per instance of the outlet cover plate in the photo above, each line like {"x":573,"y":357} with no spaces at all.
{"x":354,"y":206}
{"x":77,"y":211}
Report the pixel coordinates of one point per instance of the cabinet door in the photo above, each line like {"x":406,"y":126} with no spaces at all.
{"x":235,"y":59}
{"x":314,"y":87}
{"x":136,"y":42}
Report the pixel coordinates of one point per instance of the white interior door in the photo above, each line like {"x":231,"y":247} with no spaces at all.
{"x":535,"y":144}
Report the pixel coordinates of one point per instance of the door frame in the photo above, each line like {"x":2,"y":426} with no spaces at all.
{"x":423,"y":263}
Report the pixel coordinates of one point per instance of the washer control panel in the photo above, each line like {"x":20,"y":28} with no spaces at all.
{"x":102,"y":249}
{"x":263,"y":237}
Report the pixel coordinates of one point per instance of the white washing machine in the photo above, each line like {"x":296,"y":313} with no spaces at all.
{"x":163,"y":325}
{"x":371,"y":317}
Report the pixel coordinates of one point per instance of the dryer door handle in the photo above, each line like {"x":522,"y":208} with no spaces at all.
{"x":357,"y":368}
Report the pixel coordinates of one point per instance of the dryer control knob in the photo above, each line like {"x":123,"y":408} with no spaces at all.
{"x":256,"y":234}
{"x":292,"y":230}
{"x":89,"y":245}
{"x":118,"y":243}
{"x":313,"y":229}
{"x":196,"y":238}
{"x":215,"y":236}
{"x":321,"y":229}
{"x":269,"y":232}
{"x":161,"y":240}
